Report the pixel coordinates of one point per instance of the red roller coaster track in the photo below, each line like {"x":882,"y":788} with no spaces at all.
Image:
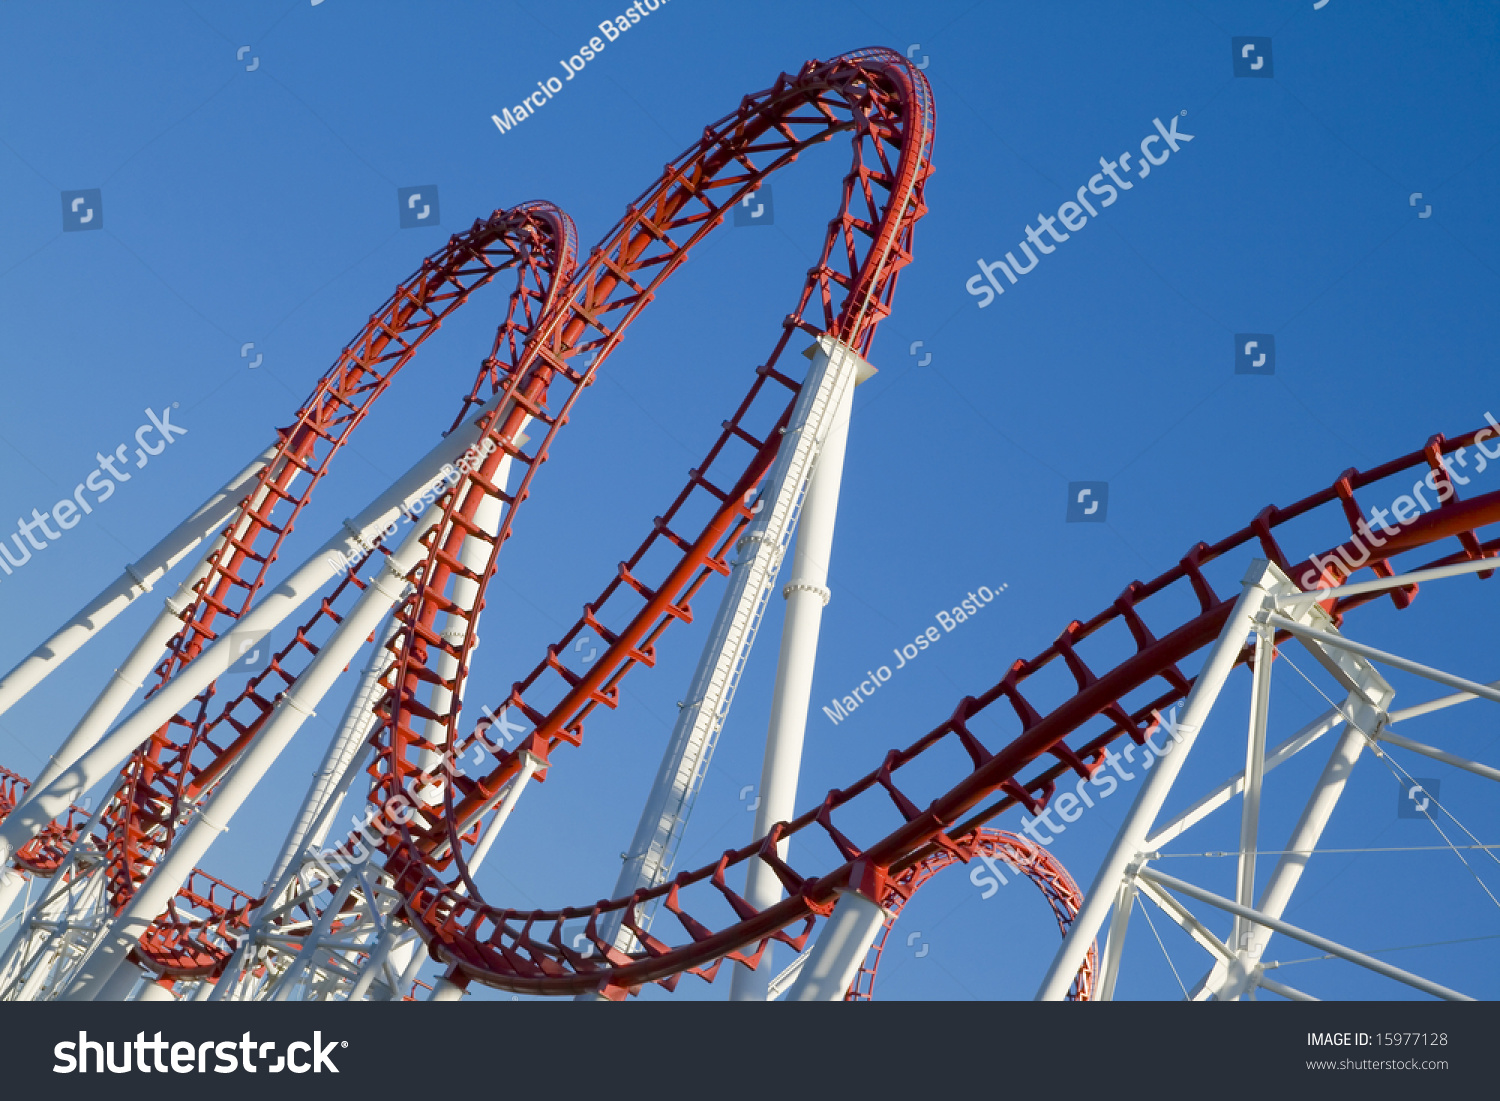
{"x":1032,"y":861}
{"x":526,"y":950}
{"x":558,"y":315}
{"x":182,"y":760}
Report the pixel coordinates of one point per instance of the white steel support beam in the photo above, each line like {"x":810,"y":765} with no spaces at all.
{"x":1255,"y":768}
{"x":335,"y":772}
{"x":1339,"y":642}
{"x":782,"y":982}
{"x":134,"y":581}
{"x":1322,"y":944}
{"x":316,"y":938}
{"x":1114,"y":942}
{"x":1299,"y":602}
{"x":1439,"y":704}
{"x":1259,"y":583}
{"x":121,"y":985}
{"x":806,"y":595}
{"x":62,"y":883}
{"x":295,"y":706}
{"x":1185,"y":920}
{"x":128,"y":679}
{"x":1232,"y":787}
{"x":841,"y":947}
{"x":1230,"y":981}
{"x":1288,"y":992}
{"x":12,"y":883}
{"x":112,"y":750}
{"x":474,"y":554}
{"x":530,"y":764}
{"x":1369,"y":697}
{"x":1433,"y":753}
{"x":653,"y":849}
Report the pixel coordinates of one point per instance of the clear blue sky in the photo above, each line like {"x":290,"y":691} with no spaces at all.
{"x":260,"y":206}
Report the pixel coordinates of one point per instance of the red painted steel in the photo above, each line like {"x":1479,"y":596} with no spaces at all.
{"x":991,"y":759}
{"x":525,"y":951}
{"x":177,"y":766}
{"x":1033,"y":861}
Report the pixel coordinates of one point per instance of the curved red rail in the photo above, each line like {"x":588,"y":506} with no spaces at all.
{"x":1032,"y":861}
{"x":884,"y":102}
{"x":183,"y":759}
{"x":526,"y":951}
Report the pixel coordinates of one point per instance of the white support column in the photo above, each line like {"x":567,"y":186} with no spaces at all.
{"x":330,"y":781}
{"x":530,"y":763}
{"x":1228,"y":981}
{"x":214,"y":816}
{"x":120,"y":985}
{"x":134,"y":581}
{"x":1255,"y":768}
{"x":1099,"y":900}
{"x":653,"y":848}
{"x":447,"y":990}
{"x":841,"y":947}
{"x":128,"y":679}
{"x":12,"y":883}
{"x":154,"y":991}
{"x":1322,"y":944}
{"x":112,"y":750}
{"x":806,"y":595}
{"x":474,"y":554}
{"x":1114,"y":943}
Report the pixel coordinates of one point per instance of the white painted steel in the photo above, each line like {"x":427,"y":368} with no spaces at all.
{"x":1323,"y":944}
{"x":331,"y":780}
{"x":806,"y":595}
{"x":1339,"y":642}
{"x":653,"y":848}
{"x":134,"y":581}
{"x":322,"y":566}
{"x":128,"y":679}
{"x":1381,"y":584}
{"x":842,"y":945}
{"x":1433,"y":753}
{"x":1230,"y":788}
{"x":1255,"y":767}
{"x":1259,"y":582}
{"x":294,"y":707}
{"x":12,"y":884}
{"x":1114,"y":942}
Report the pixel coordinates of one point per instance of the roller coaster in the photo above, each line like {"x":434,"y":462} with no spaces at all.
{"x":111,"y":900}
